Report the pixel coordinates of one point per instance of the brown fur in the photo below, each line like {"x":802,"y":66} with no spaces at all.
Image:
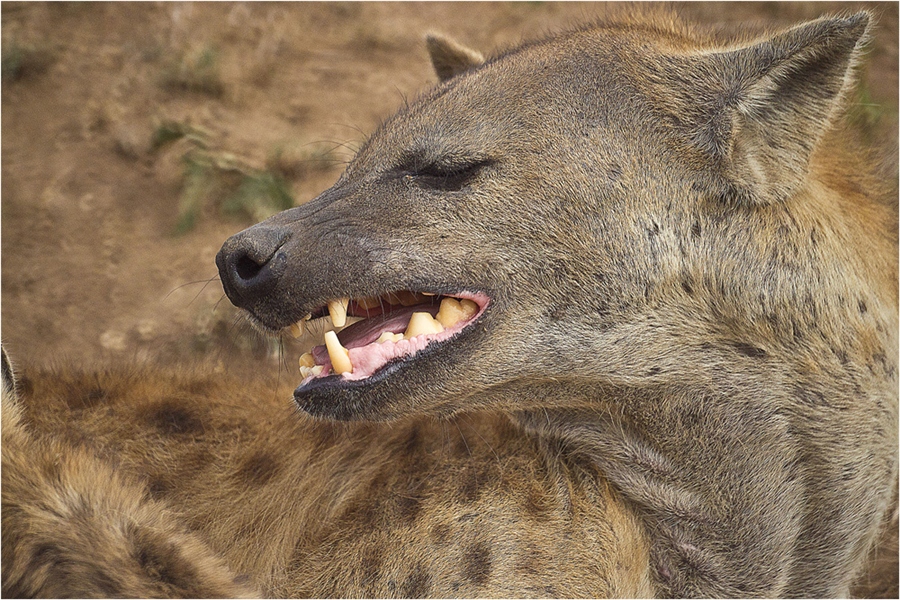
{"x":686,"y":383}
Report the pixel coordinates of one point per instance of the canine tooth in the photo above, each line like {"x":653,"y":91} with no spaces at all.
{"x":338,"y":311}
{"x":307,"y":360}
{"x":422,"y":323}
{"x":340,"y":358}
{"x":428,"y":293}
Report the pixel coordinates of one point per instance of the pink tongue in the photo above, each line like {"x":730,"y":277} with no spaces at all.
{"x":368,"y":330}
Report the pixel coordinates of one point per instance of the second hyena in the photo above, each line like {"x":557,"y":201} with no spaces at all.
{"x":646,"y":283}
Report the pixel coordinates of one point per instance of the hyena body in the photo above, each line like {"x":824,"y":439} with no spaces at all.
{"x":678,"y":376}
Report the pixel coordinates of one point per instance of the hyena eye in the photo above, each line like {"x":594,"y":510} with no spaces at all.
{"x":447,"y":178}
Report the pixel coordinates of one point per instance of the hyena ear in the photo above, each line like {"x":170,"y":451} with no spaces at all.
{"x":450,"y":58}
{"x":769,"y":105}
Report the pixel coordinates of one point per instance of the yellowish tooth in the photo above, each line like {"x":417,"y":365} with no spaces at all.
{"x":469,"y":308}
{"x":340,"y":358}
{"x":428,"y":293}
{"x":422,"y":323}
{"x":450,"y":313}
{"x":338,"y":311}
{"x":387,"y":336}
{"x":314,"y":371}
{"x":297,"y":329}
{"x":307,"y":360}
{"x":453,"y":311}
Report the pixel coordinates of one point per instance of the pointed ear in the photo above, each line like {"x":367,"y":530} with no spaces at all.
{"x":759,"y":112}
{"x":449,"y":57}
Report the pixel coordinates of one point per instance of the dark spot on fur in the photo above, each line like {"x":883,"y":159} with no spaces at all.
{"x":841,"y":355}
{"x":749,"y":350}
{"x":169,"y":417}
{"x":417,"y":584}
{"x":653,"y":230}
{"x":163,"y":562}
{"x":370,"y":568}
{"x":408,"y":507}
{"x":614,"y":172}
{"x":158,"y":487}
{"x":654,"y":371}
{"x":477,"y":563}
{"x":863,"y":309}
{"x":412,"y":443}
{"x":557,"y":314}
{"x":471,"y":485}
{"x":810,"y":397}
{"x":532,"y":562}
{"x":24,"y":386}
{"x":258,"y":469}
{"x":79,"y":399}
{"x":440,"y":533}
{"x":687,"y":287}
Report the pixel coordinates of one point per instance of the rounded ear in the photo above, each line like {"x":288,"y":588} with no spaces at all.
{"x":757,"y":113}
{"x":450,"y":58}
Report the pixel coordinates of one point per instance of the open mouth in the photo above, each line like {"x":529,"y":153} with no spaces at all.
{"x":392,"y":327}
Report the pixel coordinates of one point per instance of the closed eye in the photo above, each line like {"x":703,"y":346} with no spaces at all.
{"x":449,"y":178}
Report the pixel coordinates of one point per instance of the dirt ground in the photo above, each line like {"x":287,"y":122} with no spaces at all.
{"x":135,"y":137}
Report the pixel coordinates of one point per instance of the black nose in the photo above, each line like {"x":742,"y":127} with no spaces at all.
{"x":251,"y":263}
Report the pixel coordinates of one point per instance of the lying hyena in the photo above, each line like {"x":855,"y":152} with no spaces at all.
{"x":630,"y":328}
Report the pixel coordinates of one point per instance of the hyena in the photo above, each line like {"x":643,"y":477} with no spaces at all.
{"x":624,"y":308}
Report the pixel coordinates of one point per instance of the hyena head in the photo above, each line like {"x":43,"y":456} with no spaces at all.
{"x":601,"y":206}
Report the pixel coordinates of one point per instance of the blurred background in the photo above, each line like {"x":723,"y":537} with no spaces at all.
{"x":136,"y":137}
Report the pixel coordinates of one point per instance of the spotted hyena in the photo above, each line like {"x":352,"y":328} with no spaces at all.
{"x":625,"y":324}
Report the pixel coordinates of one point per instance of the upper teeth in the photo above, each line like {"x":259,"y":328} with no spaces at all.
{"x":338,"y":311}
{"x":453,"y":311}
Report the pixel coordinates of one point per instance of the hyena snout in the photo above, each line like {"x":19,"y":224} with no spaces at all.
{"x":251,"y":263}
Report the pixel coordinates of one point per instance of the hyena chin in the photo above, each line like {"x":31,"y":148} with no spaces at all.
{"x":624,"y":323}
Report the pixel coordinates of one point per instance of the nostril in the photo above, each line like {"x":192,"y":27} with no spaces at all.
{"x":246,"y":268}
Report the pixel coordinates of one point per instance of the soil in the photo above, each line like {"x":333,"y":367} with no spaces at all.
{"x":97,"y":261}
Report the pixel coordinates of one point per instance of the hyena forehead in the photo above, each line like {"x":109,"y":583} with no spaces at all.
{"x":746,"y":117}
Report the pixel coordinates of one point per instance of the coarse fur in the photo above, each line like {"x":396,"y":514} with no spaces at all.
{"x":685,"y":383}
